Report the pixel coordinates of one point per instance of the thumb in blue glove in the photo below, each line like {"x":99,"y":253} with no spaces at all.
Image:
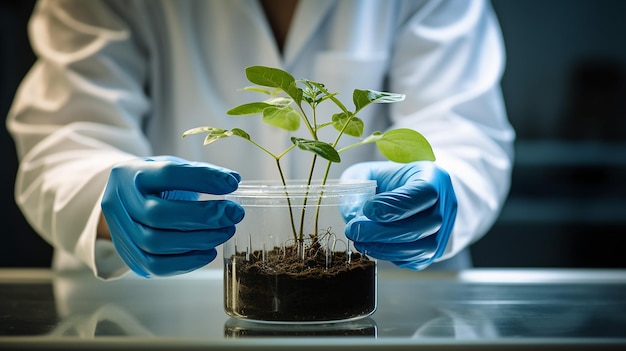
{"x":409,"y":220}
{"x":157,"y":224}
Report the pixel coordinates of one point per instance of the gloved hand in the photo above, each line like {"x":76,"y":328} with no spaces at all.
{"x":409,"y":220}
{"x":157,"y":224}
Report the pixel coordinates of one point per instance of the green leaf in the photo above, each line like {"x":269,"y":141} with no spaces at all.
{"x":404,"y":145}
{"x":362,"y":98}
{"x":274,"y":78}
{"x":316,"y":93}
{"x":240,"y":133}
{"x":199,"y":130}
{"x":252,"y":108}
{"x":355,"y":125}
{"x":285,"y":118}
{"x":317,"y":85}
{"x":214,"y":134}
{"x":320,"y":148}
{"x":269,"y":77}
{"x":279,"y":101}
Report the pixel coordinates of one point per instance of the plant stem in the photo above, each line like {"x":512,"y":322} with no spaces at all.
{"x":285,"y":152}
{"x":313,"y":132}
{"x":346,"y":148}
{"x":264,"y":149}
{"x":327,"y":171}
{"x":306,"y":121}
{"x":282,"y":178}
{"x":309,"y":181}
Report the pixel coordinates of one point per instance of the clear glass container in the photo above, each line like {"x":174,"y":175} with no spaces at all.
{"x":290,"y":261}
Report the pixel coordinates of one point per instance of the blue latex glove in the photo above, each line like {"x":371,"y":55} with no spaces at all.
{"x":409,"y":220}
{"x":157,"y":224}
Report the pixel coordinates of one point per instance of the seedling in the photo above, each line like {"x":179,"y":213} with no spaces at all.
{"x":289,"y":104}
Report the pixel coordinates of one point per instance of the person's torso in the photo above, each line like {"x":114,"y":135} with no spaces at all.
{"x":198,"y":51}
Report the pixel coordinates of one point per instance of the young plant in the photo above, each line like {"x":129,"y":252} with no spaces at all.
{"x":289,"y":103}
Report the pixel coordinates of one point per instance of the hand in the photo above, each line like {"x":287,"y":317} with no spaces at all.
{"x":409,"y":220}
{"x":157,"y":224}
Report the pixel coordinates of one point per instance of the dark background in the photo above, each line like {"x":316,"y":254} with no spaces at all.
{"x":565,"y":89}
{"x":19,"y":245}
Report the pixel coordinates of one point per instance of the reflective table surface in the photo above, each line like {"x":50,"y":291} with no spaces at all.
{"x":481,"y":309}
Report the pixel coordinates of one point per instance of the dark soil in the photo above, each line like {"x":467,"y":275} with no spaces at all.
{"x":280,"y":286}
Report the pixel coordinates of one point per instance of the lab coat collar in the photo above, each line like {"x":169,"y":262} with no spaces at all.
{"x":308,"y":16}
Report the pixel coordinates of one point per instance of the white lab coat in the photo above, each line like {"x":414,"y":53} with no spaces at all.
{"x":119,"y":79}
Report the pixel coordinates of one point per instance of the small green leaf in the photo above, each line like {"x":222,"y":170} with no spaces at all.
{"x":316,"y":93}
{"x":274,"y":78}
{"x":252,"y":108}
{"x":285,"y":118}
{"x":362,"y":98}
{"x":279,"y":101}
{"x":310,"y":83}
{"x":355,"y":125}
{"x":404,"y":145}
{"x":320,"y":148}
{"x":199,"y":130}
{"x":269,"y":77}
{"x":240,"y":133}
{"x":214,"y":134}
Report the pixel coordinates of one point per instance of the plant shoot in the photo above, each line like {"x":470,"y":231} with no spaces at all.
{"x":290,"y":104}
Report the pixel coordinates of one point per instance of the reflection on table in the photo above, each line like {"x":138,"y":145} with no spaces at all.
{"x":484,"y":306}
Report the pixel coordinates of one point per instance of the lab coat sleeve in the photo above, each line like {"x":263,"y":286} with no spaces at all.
{"x":448,"y":60}
{"x":77,"y":113}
